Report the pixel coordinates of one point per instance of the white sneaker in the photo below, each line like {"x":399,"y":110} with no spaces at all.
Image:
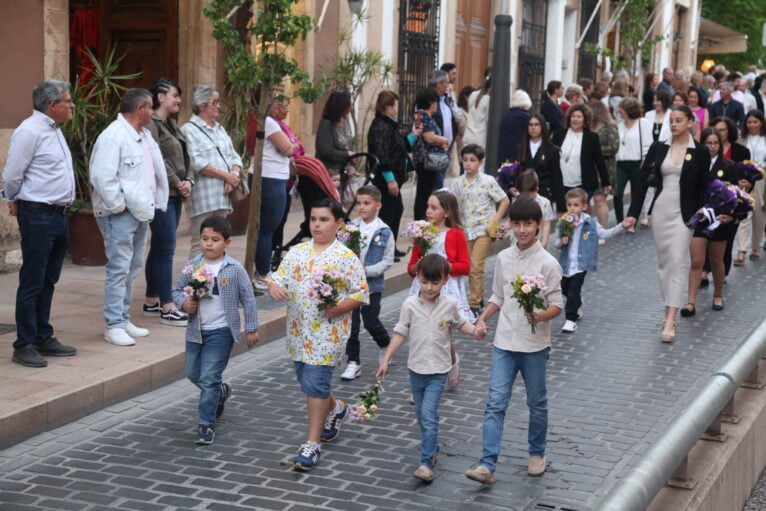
{"x":569,"y":327}
{"x":119,"y":337}
{"x":135,"y":331}
{"x":352,"y":372}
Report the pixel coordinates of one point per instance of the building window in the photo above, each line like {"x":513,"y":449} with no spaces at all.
{"x":418,"y":50}
{"x":587,"y":60}
{"x":532,"y":48}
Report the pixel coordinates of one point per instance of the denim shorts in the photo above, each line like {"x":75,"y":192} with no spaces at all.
{"x":316,"y":381}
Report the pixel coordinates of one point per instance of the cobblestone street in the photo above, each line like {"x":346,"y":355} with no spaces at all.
{"x":612,"y":388}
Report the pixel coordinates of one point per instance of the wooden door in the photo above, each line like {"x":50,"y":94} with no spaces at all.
{"x":472,"y":33}
{"x":146,"y":33}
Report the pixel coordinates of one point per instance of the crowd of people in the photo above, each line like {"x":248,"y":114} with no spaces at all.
{"x":588,"y":142}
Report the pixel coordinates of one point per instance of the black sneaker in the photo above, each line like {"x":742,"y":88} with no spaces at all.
{"x":53,"y":348}
{"x":225,"y":395}
{"x":152,"y":311}
{"x":174,"y":317}
{"x":205,"y":435}
{"x":29,"y":356}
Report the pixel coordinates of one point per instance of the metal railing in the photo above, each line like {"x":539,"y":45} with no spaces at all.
{"x":666,"y":461}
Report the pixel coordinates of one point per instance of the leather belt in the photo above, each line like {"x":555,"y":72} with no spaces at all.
{"x":61,"y":210}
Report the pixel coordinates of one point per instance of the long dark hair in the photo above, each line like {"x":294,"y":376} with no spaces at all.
{"x":546,"y":140}
{"x":449,"y":203}
{"x":759,"y":116}
{"x":337,"y":106}
{"x":717,"y":134}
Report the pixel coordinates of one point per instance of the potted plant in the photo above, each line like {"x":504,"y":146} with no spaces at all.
{"x":96,"y":104}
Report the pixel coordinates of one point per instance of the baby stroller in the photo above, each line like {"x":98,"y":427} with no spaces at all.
{"x":314,"y":183}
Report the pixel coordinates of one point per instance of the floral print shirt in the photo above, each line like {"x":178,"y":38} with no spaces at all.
{"x":312,"y":337}
{"x":478,"y":202}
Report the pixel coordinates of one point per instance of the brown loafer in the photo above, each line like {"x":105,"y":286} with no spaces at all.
{"x":424,"y":473}
{"x":480,"y":474}
{"x":536,"y":466}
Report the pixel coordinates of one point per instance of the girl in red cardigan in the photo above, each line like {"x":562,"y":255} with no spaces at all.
{"x":444,"y":213}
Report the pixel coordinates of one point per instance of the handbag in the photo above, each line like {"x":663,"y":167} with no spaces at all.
{"x":436,"y":161}
{"x":241,"y":191}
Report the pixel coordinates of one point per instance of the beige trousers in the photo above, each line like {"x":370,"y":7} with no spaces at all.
{"x":479,"y":250}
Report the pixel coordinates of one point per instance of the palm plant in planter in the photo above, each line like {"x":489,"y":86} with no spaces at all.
{"x":96,"y":104}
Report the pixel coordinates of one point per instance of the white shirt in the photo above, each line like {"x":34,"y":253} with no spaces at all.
{"x":211,"y":311}
{"x":533,"y":147}
{"x":367,"y":231}
{"x":749,"y":101}
{"x":275,"y":164}
{"x":39,"y":166}
{"x":634,"y":142}
{"x":757,"y":146}
{"x":571,"y":170}
{"x":447,"y":117}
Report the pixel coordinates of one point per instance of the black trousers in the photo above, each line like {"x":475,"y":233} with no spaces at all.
{"x":391,"y":211}
{"x":370,"y":315}
{"x":428,"y":183}
{"x":571,"y":287}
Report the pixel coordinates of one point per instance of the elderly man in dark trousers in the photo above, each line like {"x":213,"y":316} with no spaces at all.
{"x":39,"y":185}
{"x":129,"y":181}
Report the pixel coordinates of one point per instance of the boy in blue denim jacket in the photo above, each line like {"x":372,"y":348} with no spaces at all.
{"x":214,"y":325}
{"x":579,"y":255}
{"x":377,"y":255}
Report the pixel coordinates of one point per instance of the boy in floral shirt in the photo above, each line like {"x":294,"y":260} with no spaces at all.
{"x":316,"y":339}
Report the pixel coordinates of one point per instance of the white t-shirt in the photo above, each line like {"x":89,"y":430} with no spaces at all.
{"x":547,"y":208}
{"x":275,"y":164}
{"x":212,"y":314}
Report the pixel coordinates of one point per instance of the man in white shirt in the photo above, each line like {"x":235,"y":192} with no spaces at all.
{"x":129,"y":181}
{"x":40,"y":186}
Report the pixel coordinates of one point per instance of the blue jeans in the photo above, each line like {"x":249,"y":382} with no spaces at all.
{"x":159,"y":262}
{"x":124,"y":239}
{"x":505,"y":366}
{"x":205,"y":363}
{"x":273,"y":203}
{"x":427,"y":392}
{"x":44,"y":241}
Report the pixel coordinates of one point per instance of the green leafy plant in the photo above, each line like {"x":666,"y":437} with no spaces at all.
{"x":274,"y":31}
{"x":96,"y":104}
{"x":746,"y":16}
{"x":354,"y":70}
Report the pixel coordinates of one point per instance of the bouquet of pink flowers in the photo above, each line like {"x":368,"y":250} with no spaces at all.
{"x":528,"y":290}
{"x":422,"y":233}
{"x":496,"y":231}
{"x":200,"y":282}
{"x":567,"y":224}
{"x":367,"y":408}
{"x":352,"y":237}
{"x":326,"y":286}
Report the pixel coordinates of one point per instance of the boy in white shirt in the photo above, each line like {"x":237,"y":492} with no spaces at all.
{"x":214,"y":324}
{"x":377,"y":256}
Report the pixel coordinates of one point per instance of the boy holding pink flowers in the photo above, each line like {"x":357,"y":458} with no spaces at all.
{"x":323,"y":282}
{"x":211,"y":289}
{"x":518,"y":347}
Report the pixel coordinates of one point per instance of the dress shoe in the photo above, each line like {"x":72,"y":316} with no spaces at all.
{"x":689,"y":311}
{"x":29,"y":356}
{"x":718,"y":307}
{"x":399,"y":253}
{"x":53,"y":348}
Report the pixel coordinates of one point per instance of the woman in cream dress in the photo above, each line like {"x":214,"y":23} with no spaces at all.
{"x":679,"y":168}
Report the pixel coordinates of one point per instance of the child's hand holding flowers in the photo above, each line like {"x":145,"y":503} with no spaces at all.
{"x":367,"y":408}
{"x":528,"y":290}
{"x":351,"y":236}
{"x":326,"y":286}
{"x":566,"y":225}
{"x":422,"y":233}
{"x":496,"y":231}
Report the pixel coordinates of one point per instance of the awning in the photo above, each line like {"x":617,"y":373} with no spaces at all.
{"x":717,"y":39}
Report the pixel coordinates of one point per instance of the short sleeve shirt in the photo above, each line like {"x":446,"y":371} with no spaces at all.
{"x":275,"y":164}
{"x":545,"y":205}
{"x":477,"y":200}
{"x":312,"y":337}
{"x":429,"y":329}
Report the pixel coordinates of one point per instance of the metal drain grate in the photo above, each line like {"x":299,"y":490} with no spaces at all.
{"x":6,"y":328}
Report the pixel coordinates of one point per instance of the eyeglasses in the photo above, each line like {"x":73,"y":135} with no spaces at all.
{"x":712,"y":143}
{"x":531,"y":124}
{"x":215,"y":102}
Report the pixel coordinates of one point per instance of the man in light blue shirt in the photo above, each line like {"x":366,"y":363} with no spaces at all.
{"x":40,"y":186}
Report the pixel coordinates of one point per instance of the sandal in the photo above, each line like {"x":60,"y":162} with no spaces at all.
{"x":717,"y":307}
{"x":668,"y":337}
{"x":754,"y":256}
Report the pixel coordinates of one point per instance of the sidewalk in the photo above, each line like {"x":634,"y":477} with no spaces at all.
{"x":36,"y":400}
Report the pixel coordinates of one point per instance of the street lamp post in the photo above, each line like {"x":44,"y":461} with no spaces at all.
{"x":499,"y":98}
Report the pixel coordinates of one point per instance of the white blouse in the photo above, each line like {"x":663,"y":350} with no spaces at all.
{"x":757,"y":146}
{"x":634,"y":142}
{"x":571,"y":170}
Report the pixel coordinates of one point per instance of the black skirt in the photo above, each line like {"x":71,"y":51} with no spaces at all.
{"x":722,"y":233}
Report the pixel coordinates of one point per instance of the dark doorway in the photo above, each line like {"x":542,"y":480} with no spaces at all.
{"x":532,"y":49}
{"x":144,"y":31}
